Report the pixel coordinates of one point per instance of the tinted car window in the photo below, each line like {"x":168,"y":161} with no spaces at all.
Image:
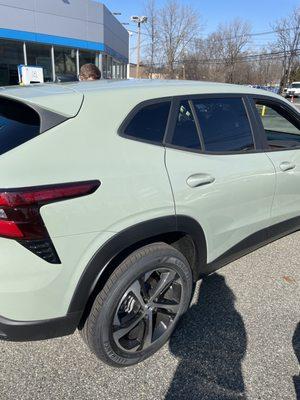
{"x":150,"y":122}
{"x":224,"y":124}
{"x":18,"y":124}
{"x":185,"y":133}
{"x":280,"y":127}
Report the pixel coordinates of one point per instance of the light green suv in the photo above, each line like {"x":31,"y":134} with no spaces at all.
{"x":117,"y":196}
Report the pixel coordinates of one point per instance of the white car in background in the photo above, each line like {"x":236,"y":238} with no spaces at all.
{"x":293,"y":90}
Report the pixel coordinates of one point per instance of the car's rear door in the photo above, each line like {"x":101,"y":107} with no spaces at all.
{"x":279,"y":124}
{"x":219,"y":175}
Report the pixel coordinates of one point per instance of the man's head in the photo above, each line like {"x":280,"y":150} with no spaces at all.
{"x":89,"y":72}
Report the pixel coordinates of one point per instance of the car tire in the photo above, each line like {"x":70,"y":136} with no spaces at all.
{"x":138,"y":308}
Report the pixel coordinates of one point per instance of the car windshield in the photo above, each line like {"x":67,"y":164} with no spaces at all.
{"x":295,"y":85}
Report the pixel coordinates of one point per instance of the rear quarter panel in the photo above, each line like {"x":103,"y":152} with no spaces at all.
{"x":134,"y":188}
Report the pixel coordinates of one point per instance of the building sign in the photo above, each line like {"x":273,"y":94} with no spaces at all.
{"x":30,"y":74}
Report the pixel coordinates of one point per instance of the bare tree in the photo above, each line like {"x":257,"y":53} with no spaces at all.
{"x":152,"y":48}
{"x":295,"y":74}
{"x":265,"y":69}
{"x":178,"y":25}
{"x":288,"y":42}
{"x":203,"y":61}
{"x":175,"y":49}
{"x":220,"y":55}
{"x":233,"y":39}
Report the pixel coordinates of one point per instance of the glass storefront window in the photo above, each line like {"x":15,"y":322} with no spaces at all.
{"x":124,"y":71}
{"x":40,"y":55}
{"x":88,"y":57}
{"x":119,"y":71}
{"x":65,"y":61}
{"x":11,"y":55}
{"x":114,"y":69}
{"x":109,"y":68}
{"x":104,"y":66}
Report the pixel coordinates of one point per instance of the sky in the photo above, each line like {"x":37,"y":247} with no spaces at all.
{"x":260,"y":13}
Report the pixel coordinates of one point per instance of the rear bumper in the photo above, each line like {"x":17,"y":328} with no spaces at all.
{"x":31,"y":289}
{"x":21,"y":331}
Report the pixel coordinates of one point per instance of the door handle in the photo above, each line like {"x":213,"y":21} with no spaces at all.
{"x":199,"y":180}
{"x":287,"y":166}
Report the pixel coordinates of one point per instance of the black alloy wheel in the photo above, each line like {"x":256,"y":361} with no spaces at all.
{"x":147,"y":309}
{"x":138,"y":308}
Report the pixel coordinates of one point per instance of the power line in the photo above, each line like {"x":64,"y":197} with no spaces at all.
{"x":238,"y":36}
{"x":246,"y":58}
{"x":255,"y":34}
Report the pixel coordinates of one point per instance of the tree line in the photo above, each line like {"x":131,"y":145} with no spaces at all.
{"x":174,"y":48}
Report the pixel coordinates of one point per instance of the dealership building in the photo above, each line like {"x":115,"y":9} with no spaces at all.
{"x":60,"y":36}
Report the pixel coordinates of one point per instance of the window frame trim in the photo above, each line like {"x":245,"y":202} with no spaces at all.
{"x":286,"y":107}
{"x":134,"y":112}
{"x":167,"y":142}
{"x":258,"y":132}
{"x":252,"y":122}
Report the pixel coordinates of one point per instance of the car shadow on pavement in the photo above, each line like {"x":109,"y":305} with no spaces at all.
{"x":296,"y":346}
{"x":211,"y":343}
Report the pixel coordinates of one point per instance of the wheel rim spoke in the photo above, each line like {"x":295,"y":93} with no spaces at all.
{"x":118,"y":334}
{"x":142,"y":282}
{"x":172,"y":308}
{"x":148,"y":330}
{"x":164,"y":283}
{"x":136,"y":289}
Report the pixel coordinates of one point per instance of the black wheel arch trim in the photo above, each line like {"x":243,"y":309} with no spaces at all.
{"x":127,"y":238}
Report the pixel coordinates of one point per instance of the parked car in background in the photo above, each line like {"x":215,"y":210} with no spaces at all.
{"x":117,"y":196}
{"x":62,"y":78}
{"x":293,"y":90}
{"x":269,"y":88}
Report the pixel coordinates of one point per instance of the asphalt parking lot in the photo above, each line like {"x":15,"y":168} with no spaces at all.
{"x":239,"y":340}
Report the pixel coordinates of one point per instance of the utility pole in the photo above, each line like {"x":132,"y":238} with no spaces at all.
{"x":129,"y":61}
{"x":138,"y":20}
{"x":138,"y":49}
{"x":183,"y":72}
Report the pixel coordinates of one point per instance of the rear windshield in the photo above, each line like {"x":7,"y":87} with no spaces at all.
{"x":295,"y":85}
{"x":18,"y":124}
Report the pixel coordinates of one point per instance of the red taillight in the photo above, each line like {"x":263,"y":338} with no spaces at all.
{"x":46,"y":194}
{"x":19,"y":208}
{"x":10,"y":229}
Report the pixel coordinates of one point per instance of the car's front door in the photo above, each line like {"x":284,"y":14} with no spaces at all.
{"x":217,"y":174}
{"x":280,"y":127}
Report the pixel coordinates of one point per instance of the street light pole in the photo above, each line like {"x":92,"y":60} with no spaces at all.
{"x":138,"y":20}
{"x":128,"y":66}
{"x":138,"y":49}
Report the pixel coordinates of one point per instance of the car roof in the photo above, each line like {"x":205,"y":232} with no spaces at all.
{"x":66,"y":98}
{"x":161,"y":87}
{"x":56,"y":98}
{"x":139,"y":90}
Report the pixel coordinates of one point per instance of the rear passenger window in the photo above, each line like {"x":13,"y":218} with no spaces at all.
{"x":149,"y":123}
{"x":18,"y":124}
{"x":185,"y":133}
{"x":224,"y":124}
{"x":282,"y":130}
